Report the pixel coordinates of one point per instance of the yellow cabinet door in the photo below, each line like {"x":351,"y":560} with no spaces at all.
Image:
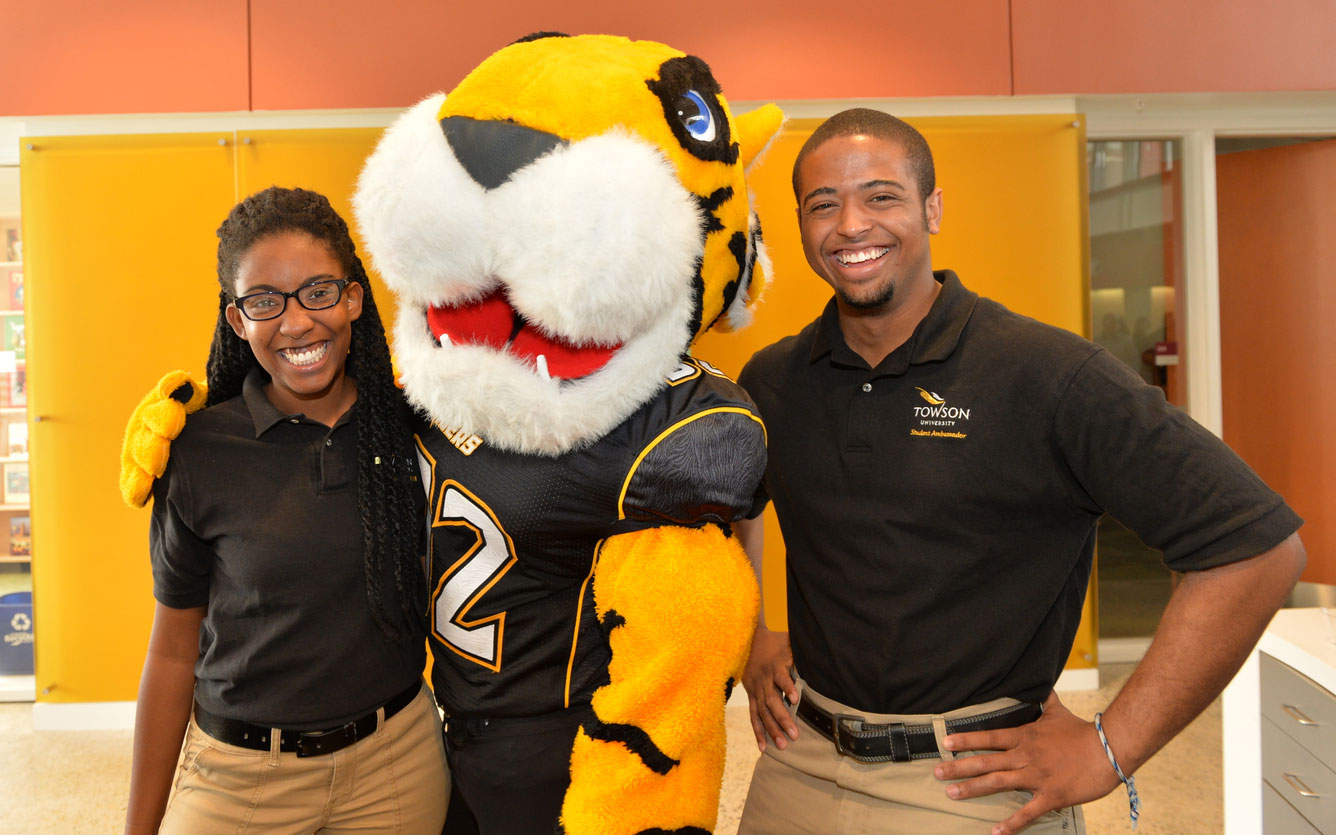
{"x":119,"y":260}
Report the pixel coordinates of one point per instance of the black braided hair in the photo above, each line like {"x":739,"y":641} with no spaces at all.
{"x":386,"y":461}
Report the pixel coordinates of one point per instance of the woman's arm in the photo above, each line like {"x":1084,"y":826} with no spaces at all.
{"x":166,"y":694}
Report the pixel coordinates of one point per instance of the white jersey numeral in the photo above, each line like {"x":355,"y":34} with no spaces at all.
{"x":684,"y":371}
{"x":469,"y":578}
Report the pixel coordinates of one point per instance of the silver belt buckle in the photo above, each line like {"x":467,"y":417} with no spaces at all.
{"x":309,"y":742}
{"x":837,"y":720}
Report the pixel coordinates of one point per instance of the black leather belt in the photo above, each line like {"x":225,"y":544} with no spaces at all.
{"x":898,"y":742}
{"x":303,"y":743}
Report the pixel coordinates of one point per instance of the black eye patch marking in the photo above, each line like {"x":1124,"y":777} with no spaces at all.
{"x":691,"y":107}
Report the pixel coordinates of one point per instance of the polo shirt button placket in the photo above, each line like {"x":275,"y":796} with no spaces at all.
{"x":862,"y":421}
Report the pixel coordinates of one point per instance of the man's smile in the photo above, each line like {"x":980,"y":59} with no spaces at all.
{"x":850,"y":257}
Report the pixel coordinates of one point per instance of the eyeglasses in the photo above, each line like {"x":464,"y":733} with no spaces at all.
{"x":270,"y":304}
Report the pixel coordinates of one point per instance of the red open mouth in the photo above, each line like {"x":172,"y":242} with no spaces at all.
{"x":494,"y":323}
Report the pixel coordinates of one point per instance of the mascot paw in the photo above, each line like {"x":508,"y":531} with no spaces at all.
{"x":153,"y":425}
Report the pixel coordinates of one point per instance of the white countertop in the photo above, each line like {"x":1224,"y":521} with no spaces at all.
{"x":1297,"y":638}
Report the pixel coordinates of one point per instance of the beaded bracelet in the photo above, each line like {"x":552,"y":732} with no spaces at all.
{"x":1133,"y":802}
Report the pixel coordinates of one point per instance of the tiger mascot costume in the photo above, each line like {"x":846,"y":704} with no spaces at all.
{"x":558,"y":230}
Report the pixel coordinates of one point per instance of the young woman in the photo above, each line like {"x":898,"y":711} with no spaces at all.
{"x":286,"y":544}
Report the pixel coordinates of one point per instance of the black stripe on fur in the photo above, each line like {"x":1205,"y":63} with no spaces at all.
{"x":635,"y":740}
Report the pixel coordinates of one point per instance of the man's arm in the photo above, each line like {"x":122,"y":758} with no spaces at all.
{"x":1213,"y":620}
{"x":767,"y":674}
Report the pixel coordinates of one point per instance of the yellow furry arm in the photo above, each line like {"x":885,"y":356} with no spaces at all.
{"x":679,"y":605}
{"x":152,"y":427}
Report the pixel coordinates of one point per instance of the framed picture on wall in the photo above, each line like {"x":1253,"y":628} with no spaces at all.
{"x":16,"y":438}
{"x":16,"y":482}
{"x":12,"y":336}
{"x":17,"y":388}
{"x":7,"y":283}
{"x":20,"y":536}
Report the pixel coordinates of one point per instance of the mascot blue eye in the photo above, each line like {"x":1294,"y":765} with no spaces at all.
{"x":693,"y":109}
{"x":696,"y":116}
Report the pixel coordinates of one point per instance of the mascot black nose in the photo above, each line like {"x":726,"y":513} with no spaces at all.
{"x":492,"y":151}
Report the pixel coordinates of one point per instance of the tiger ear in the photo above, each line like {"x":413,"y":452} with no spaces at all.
{"x":755,"y":130}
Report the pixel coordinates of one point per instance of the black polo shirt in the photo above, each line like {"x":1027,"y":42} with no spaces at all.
{"x":939,"y":510}
{"x":257,"y":518}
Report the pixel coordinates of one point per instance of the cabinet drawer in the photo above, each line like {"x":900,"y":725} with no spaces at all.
{"x":1280,"y":818}
{"x":1306,"y":784}
{"x":1300,"y":708}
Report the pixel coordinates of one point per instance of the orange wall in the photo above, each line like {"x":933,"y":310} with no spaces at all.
{"x":330,"y":53}
{"x":166,"y":56}
{"x":1277,"y":208}
{"x":130,"y":56}
{"x":1145,"y":46}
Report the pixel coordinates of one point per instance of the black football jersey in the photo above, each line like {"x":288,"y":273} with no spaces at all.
{"x":515,"y":537}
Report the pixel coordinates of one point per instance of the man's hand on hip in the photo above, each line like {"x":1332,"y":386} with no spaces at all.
{"x":766,"y":677}
{"x":1058,"y":758}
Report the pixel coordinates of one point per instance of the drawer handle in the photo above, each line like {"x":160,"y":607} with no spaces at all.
{"x":1297,"y":715}
{"x":1300,"y":786}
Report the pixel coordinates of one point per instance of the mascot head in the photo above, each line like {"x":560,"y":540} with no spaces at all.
{"x":558,"y":229}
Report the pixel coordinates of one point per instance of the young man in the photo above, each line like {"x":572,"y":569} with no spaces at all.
{"x":938,"y":465}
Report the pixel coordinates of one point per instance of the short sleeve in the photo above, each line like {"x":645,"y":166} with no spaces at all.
{"x":1160,"y":473}
{"x":752,"y":380}
{"x":706,"y":469}
{"x":181,"y":559}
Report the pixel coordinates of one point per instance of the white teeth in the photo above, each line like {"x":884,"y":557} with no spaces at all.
{"x":306,"y":356}
{"x":445,"y":340}
{"x":540,"y":362}
{"x":862,"y":255}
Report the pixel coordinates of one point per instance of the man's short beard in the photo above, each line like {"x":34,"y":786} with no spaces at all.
{"x":877,"y":302}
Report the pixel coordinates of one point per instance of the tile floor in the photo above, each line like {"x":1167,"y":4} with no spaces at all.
{"x":72,"y":783}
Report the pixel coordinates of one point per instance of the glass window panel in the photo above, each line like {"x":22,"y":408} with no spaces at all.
{"x":1136,"y":299}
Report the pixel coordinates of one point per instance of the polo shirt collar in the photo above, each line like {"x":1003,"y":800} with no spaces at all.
{"x":264,"y":413}
{"x":933,"y":340}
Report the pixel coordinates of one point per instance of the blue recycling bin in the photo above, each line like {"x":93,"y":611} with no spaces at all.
{"x":16,"y":634}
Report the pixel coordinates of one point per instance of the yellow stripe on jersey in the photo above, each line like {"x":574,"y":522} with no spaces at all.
{"x":579,"y":615}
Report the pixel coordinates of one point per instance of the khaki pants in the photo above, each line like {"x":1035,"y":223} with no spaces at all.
{"x":394,"y":781}
{"x":810,"y":788}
